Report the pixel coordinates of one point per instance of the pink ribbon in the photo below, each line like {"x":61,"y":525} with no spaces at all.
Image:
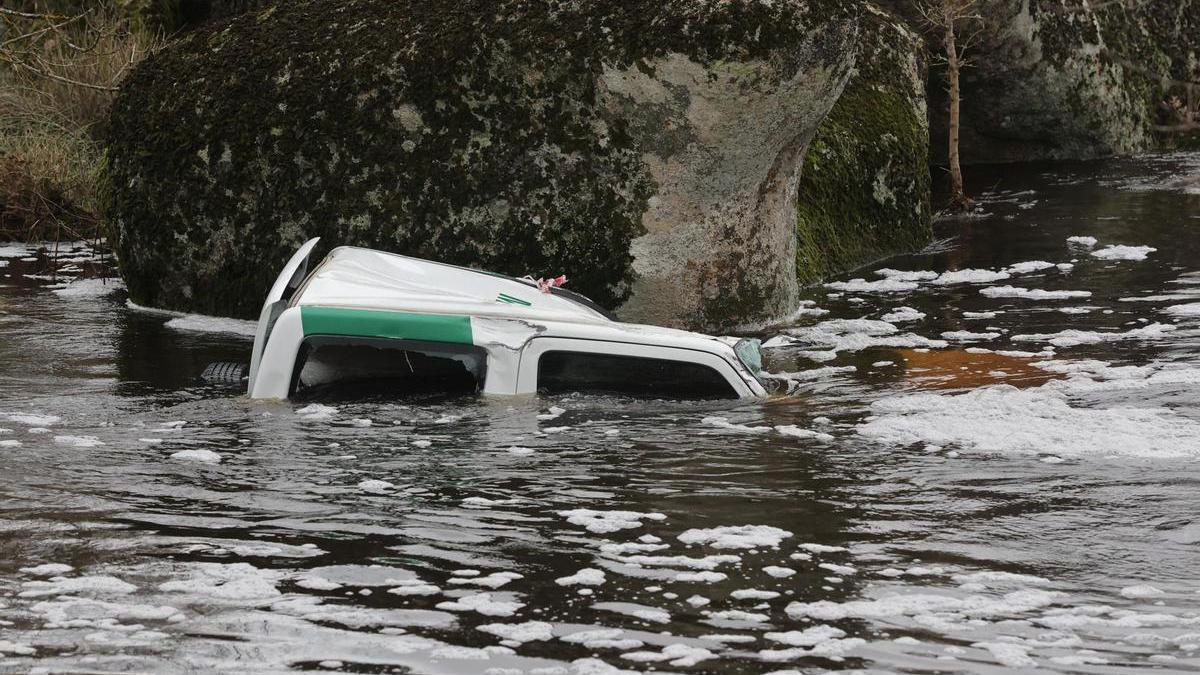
{"x":544,"y":285}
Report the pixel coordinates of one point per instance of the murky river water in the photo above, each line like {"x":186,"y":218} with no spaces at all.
{"x":994,"y":478}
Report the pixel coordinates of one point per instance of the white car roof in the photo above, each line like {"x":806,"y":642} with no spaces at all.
{"x":366,"y":279}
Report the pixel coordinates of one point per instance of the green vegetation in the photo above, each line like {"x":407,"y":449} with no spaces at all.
{"x":59,"y":69}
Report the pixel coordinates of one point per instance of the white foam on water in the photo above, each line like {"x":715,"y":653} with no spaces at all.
{"x":317,"y":411}
{"x":1140,"y":591}
{"x":968,"y":336}
{"x":736,"y":616}
{"x":85,"y":585}
{"x":1072,"y":337}
{"x":799,"y":432}
{"x":808,"y":637}
{"x":703,"y":577}
{"x":953,"y":608}
{"x":1031,"y":293}
{"x":1117,"y":252}
{"x":1084,"y":241}
{"x":753,"y":594}
{"x":881,"y":286}
{"x":1005,"y":419}
{"x":200,"y":323}
{"x":584,"y":577}
{"x":722,"y":638}
{"x":484,"y":502}
{"x":17,"y":250}
{"x":199,"y":455}
{"x":31,"y":419}
{"x":628,"y":548}
{"x":812,"y":374}
{"x":906,"y":275}
{"x":602,"y":638}
{"x":902,"y":314}
{"x":81,"y":289}
{"x":679,"y":655}
{"x":735,"y":536}
{"x":233,"y":582}
{"x":1029,"y":266}
{"x":553,"y":413}
{"x":834,"y":649}
{"x":724,"y":423}
{"x":606,"y":522}
{"x":47,"y":570}
{"x":840,"y":335}
{"x":78,"y":441}
{"x":643,"y":612}
{"x":969,"y":276}
{"x":493,"y":580}
{"x":530,"y":631}
{"x":709,"y":562}
{"x":482,"y":603}
{"x":1008,"y":654}
{"x":317,"y":583}
{"x":16,"y":648}
{"x":841,"y":570}
{"x":823,"y":548}
{"x":375,"y":486}
{"x":779,"y":572}
{"x":1186,"y":310}
{"x":409,"y":587}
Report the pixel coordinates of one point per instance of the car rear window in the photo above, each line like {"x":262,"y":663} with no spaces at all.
{"x":343,"y":367}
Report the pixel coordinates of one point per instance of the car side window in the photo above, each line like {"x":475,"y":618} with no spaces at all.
{"x":566,"y":371}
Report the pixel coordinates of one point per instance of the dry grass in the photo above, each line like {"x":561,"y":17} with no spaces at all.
{"x":56,"y":87}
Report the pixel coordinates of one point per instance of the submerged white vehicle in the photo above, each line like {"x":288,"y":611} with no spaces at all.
{"x":370,"y":322}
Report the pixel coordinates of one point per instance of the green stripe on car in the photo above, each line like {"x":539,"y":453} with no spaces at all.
{"x":504,"y":297}
{"x":385,"y":324}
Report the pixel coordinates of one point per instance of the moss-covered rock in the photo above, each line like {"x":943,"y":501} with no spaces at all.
{"x":1060,"y":79}
{"x":645,"y":148}
{"x":193,"y":13}
{"x":864,"y":190}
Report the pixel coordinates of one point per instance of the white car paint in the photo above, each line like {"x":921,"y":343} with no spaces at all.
{"x":394,"y":296}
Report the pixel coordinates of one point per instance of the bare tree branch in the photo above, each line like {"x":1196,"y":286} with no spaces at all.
{"x":43,"y":31}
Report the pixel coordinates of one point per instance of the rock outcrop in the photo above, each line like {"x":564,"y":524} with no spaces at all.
{"x":864,"y":190}
{"x":1059,"y":79}
{"x":648,"y":149}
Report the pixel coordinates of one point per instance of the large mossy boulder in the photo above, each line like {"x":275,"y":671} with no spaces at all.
{"x":1061,"y":79}
{"x":864,"y":190}
{"x":648,"y":149}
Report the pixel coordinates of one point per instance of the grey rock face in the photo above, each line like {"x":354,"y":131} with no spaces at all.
{"x":649,"y":150}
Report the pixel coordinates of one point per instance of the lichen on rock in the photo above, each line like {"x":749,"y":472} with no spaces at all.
{"x":864,"y":189}
{"x":522,"y":136}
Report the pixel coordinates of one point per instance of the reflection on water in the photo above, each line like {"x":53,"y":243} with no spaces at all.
{"x":959,"y":481}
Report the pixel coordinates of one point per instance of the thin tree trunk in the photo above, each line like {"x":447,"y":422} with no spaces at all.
{"x":958,"y":198}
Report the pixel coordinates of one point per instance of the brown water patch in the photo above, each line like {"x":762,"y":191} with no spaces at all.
{"x":961,"y":369}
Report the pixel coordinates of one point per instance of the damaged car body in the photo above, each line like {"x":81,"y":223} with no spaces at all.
{"x":382,"y":323}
